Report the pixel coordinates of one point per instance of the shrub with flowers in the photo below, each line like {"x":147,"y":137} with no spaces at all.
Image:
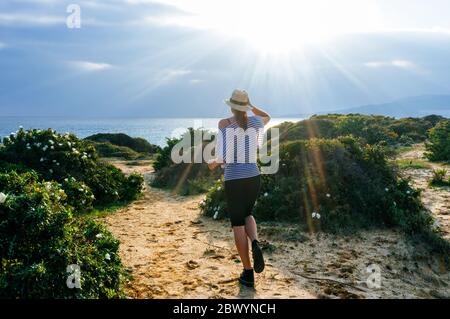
{"x":71,"y":162}
{"x":79,"y":195}
{"x":334,"y":185}
{"x":39,"y":239}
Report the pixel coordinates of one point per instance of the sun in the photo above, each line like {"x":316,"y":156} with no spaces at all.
{"x":280,"y":26}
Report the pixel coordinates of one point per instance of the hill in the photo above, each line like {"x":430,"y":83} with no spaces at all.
{"x":415,"y":106}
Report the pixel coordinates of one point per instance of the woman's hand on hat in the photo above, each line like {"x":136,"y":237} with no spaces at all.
{"x":250,"y":104}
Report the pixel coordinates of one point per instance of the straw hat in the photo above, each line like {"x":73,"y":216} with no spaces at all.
{"x":239,"y":101}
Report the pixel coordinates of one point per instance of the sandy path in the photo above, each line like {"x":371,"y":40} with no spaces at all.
{"x":174,"y":252}
{"x":436,"y":199}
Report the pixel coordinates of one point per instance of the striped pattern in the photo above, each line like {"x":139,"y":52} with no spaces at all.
{"x":238,"y":149}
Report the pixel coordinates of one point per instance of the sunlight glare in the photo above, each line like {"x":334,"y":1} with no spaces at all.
{"x":278,"y":26}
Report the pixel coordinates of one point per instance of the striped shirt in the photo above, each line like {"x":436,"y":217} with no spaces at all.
{"x":238,"y":148}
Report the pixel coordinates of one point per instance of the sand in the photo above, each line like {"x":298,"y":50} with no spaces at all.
{"x":172,"y":251}
{"x":436,"y":199}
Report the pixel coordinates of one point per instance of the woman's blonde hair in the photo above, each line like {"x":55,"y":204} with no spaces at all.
{"x":241,"y":118}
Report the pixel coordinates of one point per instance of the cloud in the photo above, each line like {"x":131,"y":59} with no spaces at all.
{"x":90,"y":66}
{"x":172,"y":74}
{"x":195,"y":81}
{"x":30,"y":19}
{"x":402,"y":64}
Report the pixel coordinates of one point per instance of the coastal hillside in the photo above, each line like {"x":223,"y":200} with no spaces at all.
{"x":186,"y":254}
{"x":354,"y":195}
{"x":415,"y":106}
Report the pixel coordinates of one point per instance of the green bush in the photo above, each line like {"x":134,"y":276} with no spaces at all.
{"x":163,"y":157}
{"x":373,"y":129}
{"x":39,"y":239}
{"x":57,"y":157}
{"x":438,"y":178}
{"x":136,"y":144}
{"x":106,"y":149}
{"x":338,"y":186}
{"x":438,"y":146}
{"x":184,"y":178}
{"x":79,"y":195}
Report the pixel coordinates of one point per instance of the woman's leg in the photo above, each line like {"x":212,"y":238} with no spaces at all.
{"x":251,"y":228}
{"x":240,"y":238}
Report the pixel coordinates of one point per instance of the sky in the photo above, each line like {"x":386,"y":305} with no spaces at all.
{"x":182,"y":58}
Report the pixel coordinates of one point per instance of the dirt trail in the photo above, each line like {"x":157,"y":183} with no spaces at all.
{"x":436,"y":199}
{"x":174,"y":252}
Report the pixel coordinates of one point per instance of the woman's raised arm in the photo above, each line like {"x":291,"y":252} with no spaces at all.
{"x":257,"y":111}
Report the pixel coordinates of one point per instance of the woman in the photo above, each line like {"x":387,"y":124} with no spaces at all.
{"x":242,"y":176}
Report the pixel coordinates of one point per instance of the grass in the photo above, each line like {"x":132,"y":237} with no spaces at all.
{"x":404,"y":149}
{"x":139,"y":162}
{"x":440,"y":183}
{"x":105,"y":210}
{"x":414,"y":164}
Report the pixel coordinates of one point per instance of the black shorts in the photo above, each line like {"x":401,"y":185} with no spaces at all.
{"x":241,"y":195}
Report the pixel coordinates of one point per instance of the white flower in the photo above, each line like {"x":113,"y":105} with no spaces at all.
{"x":84,"y":157}
{"x":2,"y":198}
{"x":66,"y":180}
{"x":266,"y":194}
{"x":216,"y":214}
{"x":408,"y":192}
{"x":219,"y":188}
{"x":314,"y":215}
{"x":54,"y":161}
{"x":51,"y":142}
{"x":99,"y":235}
{"x":318,"y":216}
{"x":42,"y":159}
{"x":328,"y":195}
{"x":107,"y":256}
{"x":116,"y":193}
{"x":92,"y":196}
{"x":386,"y":189}
{"x":57,"y":164}
{"x":52,"y":147}
{"x":51,"y":171}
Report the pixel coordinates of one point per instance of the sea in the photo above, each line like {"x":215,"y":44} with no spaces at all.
{"x":154,"y":130}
